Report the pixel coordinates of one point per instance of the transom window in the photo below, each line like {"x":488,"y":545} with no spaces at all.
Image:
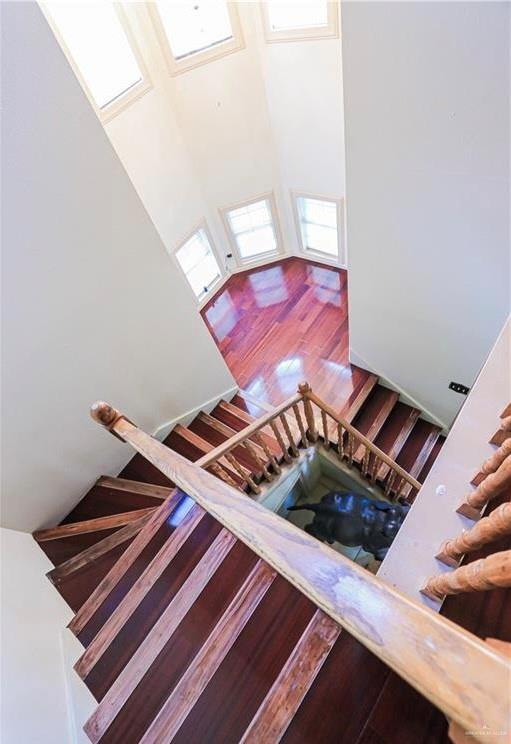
{"x":319,"y":223}
{"x":308,"y":19}
{"x":98,"y":48}
{"x":193,"y":33}
{"x":199,"y":263}
{"x":253,"y":229}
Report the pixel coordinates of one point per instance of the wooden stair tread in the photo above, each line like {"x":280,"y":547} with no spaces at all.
{"x":357,"y":399}
{"x":98,"y":549}
{"x":155,"y":641}
{"x":133,"y":487}
{"x":60,"y":551}
{"x":187,"y":691}
{"x":144,"y":615}
{"x":99,"y":524}
{"x":435,"y":451}
{"x":214,"y":431}
{"x":182,"y":646}
{"x":184,"y":445}
{"x":293,"y":682}
{"x":228,"y":431}
{"x":417,"y":449}
{"x":395,"y":432}
{"x":237,"y":418}
{"x":138,"y":591}
{"x":191,"y":445}
{"x":373,"y":414}
{"x":139,"y":469}
{"x":250,"y":405}
{"x":159,"y":521}
{"x":110,"y":495}
{"x":248,"y":672}
{"x":78,"y":587}
{"x":338,"y":704}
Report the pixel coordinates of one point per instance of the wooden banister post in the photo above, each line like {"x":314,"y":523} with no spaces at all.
{"x":494,"y":462}
{"x":505,"y":424}
{"x":104,"y":414}
{"x":492,"y":486}
{"x":488,"y":529}
{"x":482,"y":575}
{"x":304,"y":389}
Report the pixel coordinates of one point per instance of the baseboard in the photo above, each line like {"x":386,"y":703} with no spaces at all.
{"x":164,"y":429}
{"x":405,"y":397}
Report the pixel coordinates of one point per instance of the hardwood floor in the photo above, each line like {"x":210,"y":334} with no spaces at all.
{"x":284,"y":323}
{"x":163,"y":644}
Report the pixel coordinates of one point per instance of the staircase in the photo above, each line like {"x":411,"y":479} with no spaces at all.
{"x":188,"y":634}
{"x":375,"y":411}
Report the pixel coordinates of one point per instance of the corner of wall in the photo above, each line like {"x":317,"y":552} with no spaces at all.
{"x":404,"y":396}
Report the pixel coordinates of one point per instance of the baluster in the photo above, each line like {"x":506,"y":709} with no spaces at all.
{"x":494,"y":462}
{"x":390,"y":482}
{"x":221,"y":473}
{"x":351,"y":448}
{"x":399,"y":488}
{"x":292,"y":445}
{"x":312,"y":433}
{"x":233,"y":461}
{"x":490,"y":528}
{"x":262,"y":443}
{"x":375,"y":468}
{"x":340,"y":441}
{"x":299,"y":421}
{"x":365,"y":461}
{"x":324,"y":422}
{"x":482,"y":575}
{"x":505,"y":424}
{"x":493,"y":485}
{"x":253,"y":454}
{"x":278,"y":436}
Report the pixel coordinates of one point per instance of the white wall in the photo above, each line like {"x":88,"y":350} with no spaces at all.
{"x":427,"y":183}
{"x":433,"y":517}
{"x":35,"y":693}
{"x":268,"y":117}
{"x":93,"y":308}
{"x":303,"y":82}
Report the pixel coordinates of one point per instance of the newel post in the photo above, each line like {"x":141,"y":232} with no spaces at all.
{"x":304,"y":389}
{"x":491,"y":487}
{"x":104,"y":414}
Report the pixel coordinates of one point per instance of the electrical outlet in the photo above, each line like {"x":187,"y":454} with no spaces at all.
{"x":459,"y":388}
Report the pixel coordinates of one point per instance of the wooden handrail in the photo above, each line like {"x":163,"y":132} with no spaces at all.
{"x":487,"y":530}
{"x":482,"y":575}
{"x":363,"y":440}
{"x":454,"y":669}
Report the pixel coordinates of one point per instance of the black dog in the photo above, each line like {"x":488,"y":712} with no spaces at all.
{"x":353,"y":520}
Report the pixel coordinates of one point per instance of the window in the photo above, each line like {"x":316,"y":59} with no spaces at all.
{"x":97,"y":45}
{"x":320,"y":225}
{"x":192,"y":33}
{"x":309,"y":19}
{"x":252,"y":228}
{"x":199,"y":263}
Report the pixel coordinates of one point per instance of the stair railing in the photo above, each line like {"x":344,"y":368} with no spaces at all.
{"x":459,"y":673}
{"x":492,"y":480}
{"x":282,"y":431}
{"x":335,"y":431}
{"x":350,"y":440}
